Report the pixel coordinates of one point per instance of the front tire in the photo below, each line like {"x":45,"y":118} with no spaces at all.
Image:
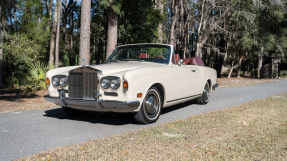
{"x":204,"y":98}
{"x":71,"y":112}
{"x":150,"y":108}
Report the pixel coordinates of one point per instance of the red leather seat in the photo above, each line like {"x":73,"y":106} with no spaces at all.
{"x":186,"y":61}
{"x":196,"y":61}
{"x":143,"y":55}
{"x":193,"y":61}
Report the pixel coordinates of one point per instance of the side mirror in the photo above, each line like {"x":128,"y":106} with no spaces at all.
{"x":180,"y":62}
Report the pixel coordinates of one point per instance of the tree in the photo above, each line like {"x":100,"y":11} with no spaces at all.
{"x":58,"y":34}
{"x":53,"y":35}
{"x":112,"y":30}
{"x":174,"y":11}
{"x":85,"y":32}
{"x":160,"y":6}
{"x":2,"y":30}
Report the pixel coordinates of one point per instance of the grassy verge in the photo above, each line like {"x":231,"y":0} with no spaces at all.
{"x":256,"y":130}
{"x":234,"y":82}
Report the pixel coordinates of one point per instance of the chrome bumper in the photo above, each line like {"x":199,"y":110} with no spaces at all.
{"x":100,"y":104}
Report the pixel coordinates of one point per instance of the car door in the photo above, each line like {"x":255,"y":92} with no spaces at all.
{"x":188,"y":82}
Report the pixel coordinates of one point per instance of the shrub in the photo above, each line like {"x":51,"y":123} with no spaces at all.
{"x":283,"y":73}
{"x":38,"y":72}
{"x":274,"y":74}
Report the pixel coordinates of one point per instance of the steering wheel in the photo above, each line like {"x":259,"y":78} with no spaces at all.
{"x":159,"y":57}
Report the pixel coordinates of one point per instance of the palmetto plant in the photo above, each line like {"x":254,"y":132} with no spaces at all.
{"x":38,"y":73}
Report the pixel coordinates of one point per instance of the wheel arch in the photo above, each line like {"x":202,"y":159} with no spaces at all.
{"x":161,"y":91}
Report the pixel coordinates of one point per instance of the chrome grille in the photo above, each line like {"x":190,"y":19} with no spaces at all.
{"x":82,"y":83}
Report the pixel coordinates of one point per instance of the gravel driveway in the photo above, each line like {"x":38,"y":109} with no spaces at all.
{"x":28,"y":132}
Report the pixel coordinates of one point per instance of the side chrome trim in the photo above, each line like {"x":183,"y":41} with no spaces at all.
{"x":214,"y":86}
{"x":183,"y":98}
{"x":100,"y":104}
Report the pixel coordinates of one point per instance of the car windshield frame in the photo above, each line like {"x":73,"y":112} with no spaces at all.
{"x":165,"y":59}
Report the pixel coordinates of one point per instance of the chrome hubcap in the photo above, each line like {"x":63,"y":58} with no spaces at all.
{"x":151,"y":105}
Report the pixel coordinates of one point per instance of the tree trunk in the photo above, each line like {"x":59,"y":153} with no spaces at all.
{"x":224,"y":59}
{"x":239,"y":66}
{"x":260,"y":61}
{"x":198,"y":49}
{"x":181,"y":29}
{"x":100,"y":50}
{"x":64,"y":22}
{"x":2,"y":21}
{"x":198,"y":44}
{"x":53,"y":35}
{"x":85,"y":32}
{"x":186,"y":43}
{"x":231,"y":69}
{"x":112,"y":31}
{"x":232,"y":66}
{"x":71,"y":29}
{"x":58,"y":34}
{"x":174,"y":19}
{"x":160,"y":26}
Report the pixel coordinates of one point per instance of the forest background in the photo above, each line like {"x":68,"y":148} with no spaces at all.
{"x":236,"y":35}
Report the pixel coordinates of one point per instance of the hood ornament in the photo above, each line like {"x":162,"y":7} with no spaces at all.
{"x":84,"y":61}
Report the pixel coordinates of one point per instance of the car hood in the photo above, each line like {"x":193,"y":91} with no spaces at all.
{"x":115,"y":67}
{"x":108,"y":68}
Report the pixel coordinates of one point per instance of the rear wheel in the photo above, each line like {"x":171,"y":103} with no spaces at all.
{"x":71,"y":112}
{"x":150,"y":108}
{"x":204,"y":98}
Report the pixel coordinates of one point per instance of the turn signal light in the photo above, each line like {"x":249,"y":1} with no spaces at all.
{"x":139,"y":95}
{"x":125,"y":85}
{"x":47,"y":81}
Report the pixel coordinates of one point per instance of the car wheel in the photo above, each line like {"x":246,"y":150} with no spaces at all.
{"x":204,"y":98}
{"x":71,"y":112}
{"x":150,"y":108}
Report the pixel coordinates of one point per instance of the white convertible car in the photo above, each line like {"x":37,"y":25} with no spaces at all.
{"x":140,"y":78}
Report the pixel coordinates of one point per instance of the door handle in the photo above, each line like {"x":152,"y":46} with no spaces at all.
{"x":193,"y":71}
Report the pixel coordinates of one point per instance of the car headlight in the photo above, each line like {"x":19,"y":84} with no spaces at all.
{"x":115,"y":83}
{"x":63,"y":82}
{"x":56,"y":81}
{"x":105,"y":83}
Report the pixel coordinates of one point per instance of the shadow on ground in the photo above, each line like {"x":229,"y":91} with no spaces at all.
{"x":109,"y":118}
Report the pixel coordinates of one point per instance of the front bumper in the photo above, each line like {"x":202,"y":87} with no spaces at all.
{"x":100,"y":104}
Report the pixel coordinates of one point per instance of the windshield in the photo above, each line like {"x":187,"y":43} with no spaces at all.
{"x":149,"y":53}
